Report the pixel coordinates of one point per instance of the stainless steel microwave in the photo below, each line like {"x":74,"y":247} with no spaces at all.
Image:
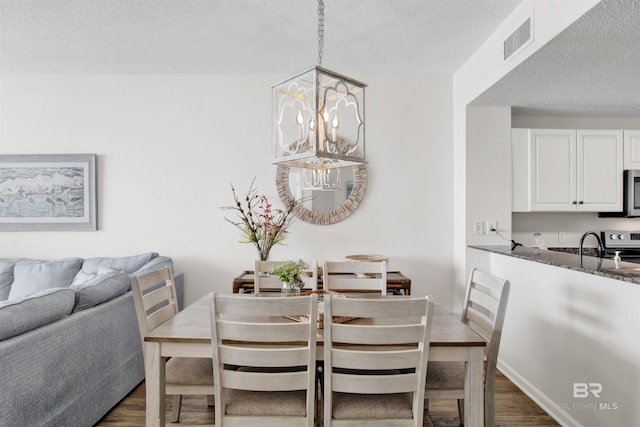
{"x":631,"y":196}
{"x":632,"y":193}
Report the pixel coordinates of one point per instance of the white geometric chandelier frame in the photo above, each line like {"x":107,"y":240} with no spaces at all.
{"x":318,"y":120}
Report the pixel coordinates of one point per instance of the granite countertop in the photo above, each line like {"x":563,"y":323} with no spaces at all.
{"x":625,"y":271}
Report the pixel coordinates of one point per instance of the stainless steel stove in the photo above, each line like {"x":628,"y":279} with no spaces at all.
{"x":627,"y":243}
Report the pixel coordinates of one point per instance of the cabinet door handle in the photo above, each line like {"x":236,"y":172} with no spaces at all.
{"x":574,"y":202}
{"x":581,"y":202}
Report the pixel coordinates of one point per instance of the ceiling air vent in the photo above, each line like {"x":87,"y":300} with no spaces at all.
{"x":518,"y":40}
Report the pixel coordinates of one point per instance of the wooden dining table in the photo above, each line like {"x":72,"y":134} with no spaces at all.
{"x":188,"y":334}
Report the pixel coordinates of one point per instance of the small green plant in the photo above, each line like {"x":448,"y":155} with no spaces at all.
{"x":289,"y":271}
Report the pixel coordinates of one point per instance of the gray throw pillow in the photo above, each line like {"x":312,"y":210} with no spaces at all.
{"x":39,"y":309}
{"x":128,"y":264}
{"x":31,"y":276}
{"x":99,"y":288}
{"x":6,"y":277}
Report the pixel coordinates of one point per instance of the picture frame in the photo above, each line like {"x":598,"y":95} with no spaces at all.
{"x":41,"y":192}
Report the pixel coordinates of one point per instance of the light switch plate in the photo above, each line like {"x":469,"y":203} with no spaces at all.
{"x":478,"y":227}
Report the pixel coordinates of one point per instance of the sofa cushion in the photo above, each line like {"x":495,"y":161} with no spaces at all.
{"x":155,"y":264}
{"x":93,"y":289}
{"x":6,"y":277}
{"x":41,"y":308}
{"x":128,"y":264}
{"x":31,"y":276}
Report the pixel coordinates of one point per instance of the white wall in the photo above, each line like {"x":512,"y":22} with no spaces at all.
{"x":170,"y":145}
{"x":488,"y":169}
{"x":488,"y":173}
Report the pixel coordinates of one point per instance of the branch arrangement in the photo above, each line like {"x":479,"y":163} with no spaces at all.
{"x":260,"y":223}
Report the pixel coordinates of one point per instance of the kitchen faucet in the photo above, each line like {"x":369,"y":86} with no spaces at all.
{"x":600,"y":247}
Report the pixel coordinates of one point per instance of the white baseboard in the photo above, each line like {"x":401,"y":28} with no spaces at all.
{"x":541,"y":399}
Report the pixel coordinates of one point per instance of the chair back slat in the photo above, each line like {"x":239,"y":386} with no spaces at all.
{"x":264,"y":332}
{"x":403,"y":308}
{"x":264,"y":309}
{"x":158,"y":296}
{"x":160,"y":316}
{"x":265,"y":381}
{"x":377,"y":334}
{"x":287,"y":356}
{"x":356,"y":266}
{"x":393,"y":359}
{"x":355,"y":276}
{"x":153,"y":279}
{"x":374,"y":384}
{"x":480,"y":323}
{"x":484,"y":299}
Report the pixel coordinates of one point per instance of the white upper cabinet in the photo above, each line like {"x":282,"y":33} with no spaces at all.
{"x":552,"y":179}
{"x":632,"y":149}
{"x":567,"y":170}
{"x":600,"y":170}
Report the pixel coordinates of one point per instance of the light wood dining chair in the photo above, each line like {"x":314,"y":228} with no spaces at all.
{"x":355,"y":276}
{"x":263,"y":281}
{"x":154,"y":296}
{"x":375,"y":368}
{"x":264,"y":361}
{"x":483,"y":311}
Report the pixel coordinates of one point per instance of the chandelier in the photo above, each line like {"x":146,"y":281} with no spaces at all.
{"x":318,"y":117}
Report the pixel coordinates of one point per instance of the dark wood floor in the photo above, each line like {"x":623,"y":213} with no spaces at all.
{"x":513,"y":408}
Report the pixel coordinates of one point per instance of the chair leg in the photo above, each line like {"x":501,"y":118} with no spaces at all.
{"x":426,"y":405}
{"x":461,"y":411}
{"x":175,"y":412}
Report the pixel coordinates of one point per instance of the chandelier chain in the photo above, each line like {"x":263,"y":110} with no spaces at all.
{"x":320,"y":31}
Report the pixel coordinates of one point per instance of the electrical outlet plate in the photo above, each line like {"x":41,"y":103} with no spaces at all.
{"x":562,"y":238}
{"x":492,"y":226}
{"x":478,"y":227}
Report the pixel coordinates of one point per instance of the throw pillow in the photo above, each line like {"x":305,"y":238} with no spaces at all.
{"x":31,"y":276}
{"x":128,"y":264}
{"x":6,"y":277}
{"x":82,"y":277}
{"x":99,"y":288}
{"x":39,"y":309}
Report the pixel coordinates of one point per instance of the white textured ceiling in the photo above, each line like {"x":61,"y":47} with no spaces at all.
{"x":243,"y":36}
{"x":591,"y":69}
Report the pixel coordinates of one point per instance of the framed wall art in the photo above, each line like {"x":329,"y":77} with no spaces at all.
{"x":48,"y":192}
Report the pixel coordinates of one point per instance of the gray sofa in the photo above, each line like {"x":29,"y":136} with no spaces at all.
{"x":72,"y":351}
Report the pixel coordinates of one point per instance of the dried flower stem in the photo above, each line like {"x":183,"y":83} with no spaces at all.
{"x":260,"y":223}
